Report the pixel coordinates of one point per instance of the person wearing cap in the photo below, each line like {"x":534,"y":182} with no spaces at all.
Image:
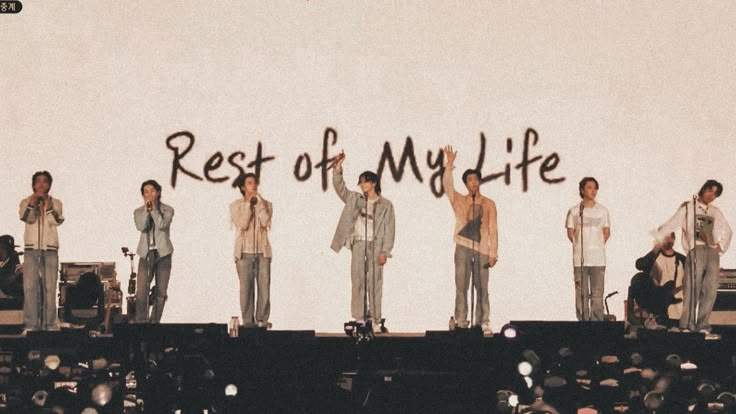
{"x":42,"y":215}
{"x":11,"y":271}
{"x":367,"y":224}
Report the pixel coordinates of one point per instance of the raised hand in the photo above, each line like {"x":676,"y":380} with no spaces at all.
{"x":449,"y":155}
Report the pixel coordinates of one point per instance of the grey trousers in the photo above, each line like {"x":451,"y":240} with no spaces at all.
{"x":357,"y":278}
{"x":161,"y":269}
{"x":40,"y":276}
{"x":699,"y":290}
{"x":589,"y":288}
{"x":254,"y":271}
{"x":464,"y":264}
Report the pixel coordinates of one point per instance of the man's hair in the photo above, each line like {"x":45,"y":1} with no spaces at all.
{"x":586,"y":180}
{"x":240,"y":181}
{"x":370,"y":176}
{"x":711,"y":183}
{"x":153,"y":184}
{"x":468,"y":173}
{"x":38,"y":174}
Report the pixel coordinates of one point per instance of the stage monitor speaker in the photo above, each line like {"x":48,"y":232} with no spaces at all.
{"x":724,"y":310}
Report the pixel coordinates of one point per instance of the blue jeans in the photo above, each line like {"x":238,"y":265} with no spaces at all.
{"x":160,"y":269}
{"x":254,"y":270}
{"x":589,"y":292}
{"x":699,"y":290}
{"x":40,"y":277}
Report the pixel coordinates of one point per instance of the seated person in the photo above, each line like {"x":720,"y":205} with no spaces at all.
{"x":657,"y":289}
{"x":11,"y":271}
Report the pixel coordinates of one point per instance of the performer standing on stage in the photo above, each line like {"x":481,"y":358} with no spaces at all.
{"x":588,"y":228}
{"x":251,"y":215}
{"x":42,"y":215}
{"x":476,"y":242}
{"x":705,"y":236}
{"x":377,"y":241}
{"x":153,"y":220}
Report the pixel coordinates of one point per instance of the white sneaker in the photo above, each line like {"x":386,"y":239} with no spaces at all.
{"x":486,"y":329}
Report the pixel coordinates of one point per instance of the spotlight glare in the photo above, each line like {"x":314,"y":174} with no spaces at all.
{"x":688,"y":366}
{"x":52,"y":362}
{"x":514,"y":400}
{"x":231,"y":390}
{"x":101,"y":394}
{"x":524,"y":368}
{"x":509,"y":331}
{"x":529,"y":382}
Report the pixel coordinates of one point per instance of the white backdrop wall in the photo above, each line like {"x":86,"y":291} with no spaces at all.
{"x":639,"y":95}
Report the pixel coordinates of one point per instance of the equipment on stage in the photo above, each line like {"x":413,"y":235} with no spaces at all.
{"x":89,"y":294}
{"x":609,"y":317}
{"x":724,"y":310}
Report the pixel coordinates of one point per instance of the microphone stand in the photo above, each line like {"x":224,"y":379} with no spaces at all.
{"x":583,"y":302}
{"x":256,"y":261}
{"x":692,"y":303}
{"x":366,"y":308}
{"x":472,"y":265}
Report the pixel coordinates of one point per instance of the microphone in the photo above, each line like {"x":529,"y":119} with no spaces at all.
{"x":149,"y":205}
{"x":472,"y":195}
{"x":253,"y":202}
{"x":337,"y":159}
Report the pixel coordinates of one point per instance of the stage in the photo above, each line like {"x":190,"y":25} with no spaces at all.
{"x":199,"y":366}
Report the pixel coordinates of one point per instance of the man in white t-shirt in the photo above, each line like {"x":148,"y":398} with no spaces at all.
{"x":588,"y":250}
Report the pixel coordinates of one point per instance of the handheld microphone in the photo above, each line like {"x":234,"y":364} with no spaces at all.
{"x":253,"y":202}
{"x":337,"y":159}
{"x":149,"y":205}
{"x":472,"y":195}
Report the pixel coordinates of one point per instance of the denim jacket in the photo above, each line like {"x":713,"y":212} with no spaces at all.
{"x":384,"y":224}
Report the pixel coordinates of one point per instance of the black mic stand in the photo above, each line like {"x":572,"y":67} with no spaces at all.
{"x":472,"y":266}
{"x":363,"y":332}
{"x":130,"y":300}
{"x":692,"y":303}
{"x":583,"y":302}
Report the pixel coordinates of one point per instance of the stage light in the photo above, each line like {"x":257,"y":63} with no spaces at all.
{"x":102,"y":394}
{"x":52,"y":362}
{"x":524,"y":368}
{"x":509,"y":331}
{"x":513,"y":400}
{"x":231,"y":390}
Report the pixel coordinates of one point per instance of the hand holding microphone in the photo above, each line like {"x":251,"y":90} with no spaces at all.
{"x":337,"y":162}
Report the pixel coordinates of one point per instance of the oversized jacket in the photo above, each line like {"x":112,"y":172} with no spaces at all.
{"x":384,"y":223}
{"x":41,"y":232}
{"x":162,"y":217}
